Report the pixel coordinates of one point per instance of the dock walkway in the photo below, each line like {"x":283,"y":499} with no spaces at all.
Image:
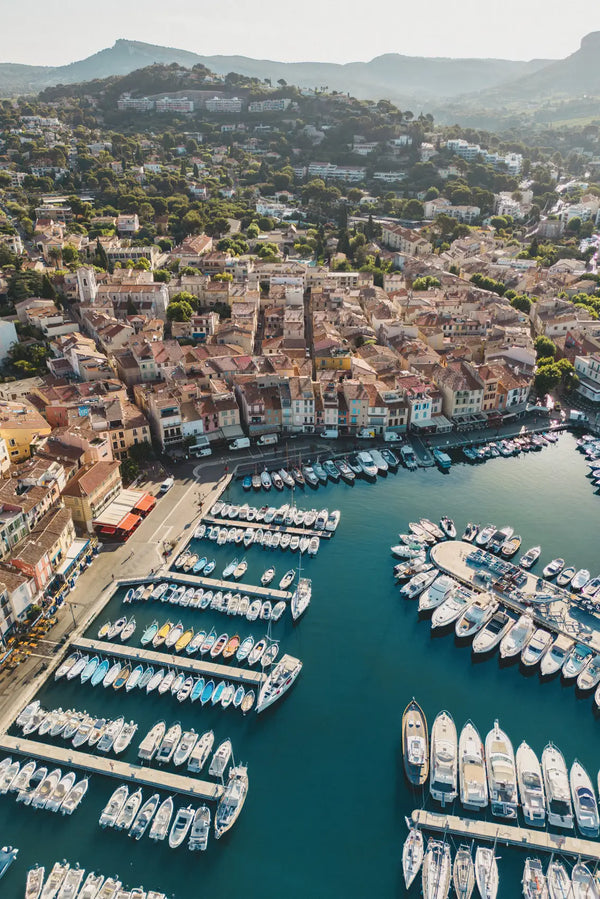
{"x":142,"y":776}
{"x":492,"y":831}
{"x":183,"y":577}
{"x":560,"y":616}
{"x":168,"y":660}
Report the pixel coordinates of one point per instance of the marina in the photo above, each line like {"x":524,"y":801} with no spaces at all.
{"x":506,"y":834}
{"x":85,"y":761}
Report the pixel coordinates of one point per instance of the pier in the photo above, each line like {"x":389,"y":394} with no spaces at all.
{"x":168,"y":660}
{"x":492,"y":831}
{"x":255,"y":525}
{"x":183,"y":577}
{"x":560,"y":616}
{"x":136,"y":774}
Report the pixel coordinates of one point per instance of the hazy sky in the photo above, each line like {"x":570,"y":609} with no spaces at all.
{"x":325,"y":30}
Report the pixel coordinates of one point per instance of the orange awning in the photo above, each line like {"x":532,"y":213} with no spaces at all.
{"x":146,"y":503}
{"x":128,"y":523}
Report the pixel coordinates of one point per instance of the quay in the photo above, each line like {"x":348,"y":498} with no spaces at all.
{"x":142,"y":776}
{"x":492,"y":831}
{"x":255,"y":525}
{"x":193,"y":580}
{"x":168,"y":660}
{"x":560,"y":616}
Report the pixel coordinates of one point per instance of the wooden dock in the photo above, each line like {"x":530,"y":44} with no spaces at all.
{"x":156,"y":778}
{"x":168,"y":660}
{"x":183,"y":577}
{"x":563,"y":615}
{"x":492,"y":831}
{"x":255,"y":525}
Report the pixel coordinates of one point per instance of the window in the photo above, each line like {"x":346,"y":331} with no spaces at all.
{"x":12,"y":443}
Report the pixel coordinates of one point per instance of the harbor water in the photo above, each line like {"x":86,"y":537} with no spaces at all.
{"x":327,"y":800}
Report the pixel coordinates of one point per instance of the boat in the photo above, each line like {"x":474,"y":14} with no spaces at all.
{"x":181,"y":825}
{"x":276,"y":684}
{"x":514,"y":641}
{"x":529,"y":559}
{"x":219,"y":645}
{"x":436,"y":593}
{"x":418,"y":583}
{"x":257,"y":651}
{"x":501,"y":773}
{"x":248,"y":702}
{"x":498,"y":539}
{"x":55,"y":880}
{"x":531,"y":786}
{"x":128,"y":630}
{"x":451,"y":609}
{"x":110,"y":889}
{"x":156,"y":680}
{"x":559,"y":882}
{"x":174,"y":635}
{"x":415,"y":744}
{"x":230,"y":568}
{"x":448,"y":527}
{"x":553,"y":568}
{"x":566,"y":576}
{"x":20,"y":783}
{"x":232,"y":800}
{"x":579,"y":580}
{"x":76,"y":669}
{"x":470,"y":532}
{"x":26,"y":795}
{"x":207,"y":692}
{"x":301,"y":597}
{"x":124,"y":737}
{"x":584,"y":800}
{"x":471,"y":766}
{"x":200,"y":829}
{"x":534,"y":880}
{"x":267,"y":576}
{"x":143,"y":817}
{"x":8,"y":776}
{"x":110,"y":734}
{"x":185,"y":638}
{"x":269,"y":655}
{"x":278,"y":610}
{"x":436,"y":871}
{"x":35,"y":882}
{"x":583,"y":884}
{"x":201,"y":751}
{"x":238,"y":697}
{"x":161,"y":634}
{"x":287,"y":579}
{"x":444,"y":759}
{"x":146,"y":678}
{"x":240,"y":570}
{"x":162,"y":820}
{"x":231,"y":646}
{"x":220,"y":759}
{"x":74,"y":797}
{"x":576,"y":661}
{"x":589,"y":677}
{"x":60,"y":792}
{"x":254,"y":610}
{"x":486,"y":872}
{"x":556,"y":784}
{"x":412,"y":855}
{"x":169,"y":743}
{"x":556,"y":655}
{"x":511,"y":546}
{"x":129,"y":810}
{"x":45,"y":788}
{"x":463,"y":873}
{"x":485,"y":535}
{"x":535,"y":649}
{"x":498,"y":626}
{"x":134,"y":678}
{"x":475,"y":616}
{"x":184,"y":749}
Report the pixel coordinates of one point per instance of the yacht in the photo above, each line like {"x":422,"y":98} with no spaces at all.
{"x":129,"y":811}
{"x":583,"y":884}
{"x":437,"y":592}
{"x":486,"y":872}
{"x":589,"y":677}
{"x":185,"y":747}
{"x":485,"y":535}
{"x":201,"y":751}
{"x":220,"y":759}
{"x":531,"y":786}
{"x":576,"y":662}
{"x":279,"y":681}
{"x":232,"y":800}
{"x":301,"y":597}
{"x":444,"y":759}
{"x":415,"y":748}
{"x":418,"y":583}
{"x":143,"y":817}
{"x":162,"y":820}
{"x":200,"y":829}
{"x":475,"y":616}
{"x":536,"y":648}
{"x":114,"y":806}
{"x":55,"y":880}
{"x":412,"y":854}
{"x":169,"y":744}
{"x":515,"y":640}
{"x":452,"y":608}
{"x":437,"y":869}
{"x":463,"y":873}
{"x":556,"y":655}
{"x":556,"y":783}
{"x":471,"y":763}
{"x":501,"y":772}
{"x":534,"y":880}
{"x":490,"y":636}
{"x":559,"y":882}
{"x":181,"y":825}
{"x":584,"y":800}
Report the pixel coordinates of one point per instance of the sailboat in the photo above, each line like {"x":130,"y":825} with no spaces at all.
{"x":412,"y":854}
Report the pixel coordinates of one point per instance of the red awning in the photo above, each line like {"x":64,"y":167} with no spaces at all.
{"x":146,"y":503}
{"x":128,"y":523}
{"x":107,"y":529}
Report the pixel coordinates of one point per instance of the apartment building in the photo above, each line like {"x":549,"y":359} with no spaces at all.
{"x":21,"y":425}
{"x":90,"y":490}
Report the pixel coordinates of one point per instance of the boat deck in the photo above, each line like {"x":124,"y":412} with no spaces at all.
{"x":136,"y":774}
{"x":183,"y":577}
{"x":167,"y":660}
{"x":255,"y":525}
{"x":492,"y":831}
{"x":561,"y":616}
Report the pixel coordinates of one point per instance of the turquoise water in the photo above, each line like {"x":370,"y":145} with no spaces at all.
{"x":325,"y":811}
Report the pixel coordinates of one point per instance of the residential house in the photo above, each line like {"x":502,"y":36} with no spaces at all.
{"x":90,"y":490}
{"x":21,"y":425}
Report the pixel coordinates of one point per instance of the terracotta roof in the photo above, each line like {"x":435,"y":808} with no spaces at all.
{"x":89,"y":479}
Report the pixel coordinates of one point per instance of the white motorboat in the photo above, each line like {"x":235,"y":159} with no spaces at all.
{"x":418,"y":583}
{"x":452,"y":608}
{"x":74,"y":797}
{"x":583,"y":884}
{"x":514,"y":641}
{"x":556,"y":784}
{"x":553,"y":568}
{"x":534,"y":880}
{"x":576,"y":662}
{"x":486,"y":872}
{"x":580,"y":579}
{"x":130,"y":809}
{"x":463,"y":873}
{"x":535,"y":649}
{"x":437,"y":592}
{"x":220,"y":759}
{"x":485,"y":534}
{"x":501,"y":772}
{"x":200,"y":829}
{"x":437,"y":870}
{"x":488,"y":638}
{"x":201,"y":751}
{"x":55,"y":880}
{"x":60,"y":792}
{"x":114,"y":806}
{"x":124,"y":737}
{"x":184,"y":749}
{"x":584,"y":800}
{"x":232,"y":800}
{"x":529,"y":558}
{"x":162,"y":820}
{"x":444,"y":759}
{"x":531,"y":786}
{"x":556,"y":655}
{"x":152,"y":740}
{"x":143,"y":817}
{"x":589,"y":677}
{"x":475,"y":616}
{"x":559,"y":882}
{"x":181,"y":825}
{"x":471,"y":765}
{"x":35,"y":882}
{"x":169,"y":744}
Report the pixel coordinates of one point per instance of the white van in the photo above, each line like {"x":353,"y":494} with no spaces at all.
{"x":166,"y":485}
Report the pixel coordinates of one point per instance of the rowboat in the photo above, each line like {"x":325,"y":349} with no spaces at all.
{"x":184,"y":640}
{"x":231,"y":646}
{"x":219,"y":645}
{"x":161,"y":635}
{"x":149,"y":633}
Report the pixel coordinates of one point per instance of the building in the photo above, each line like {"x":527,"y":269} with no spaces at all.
{"x":175,"y":104}
{"x":44,"y":549}
{"x":279,"y":104}
{"x":462,"y":392}
{"x":224,"y":104}
{"x":588,"y":370}
{"x":20,"y":426}
{"x":405,"y":241}
{"x":90,"y":490}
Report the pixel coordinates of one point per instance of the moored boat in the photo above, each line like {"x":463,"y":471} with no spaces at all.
{"x":531,"y":786}
{"x":415,"y":744}
{"x":444,"y":759}
{"x":436,"y":871}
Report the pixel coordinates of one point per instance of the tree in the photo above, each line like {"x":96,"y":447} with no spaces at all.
{"x":129,"y":470}
{"x":522,"y":303}
{"x":162,"y":275}
{"x":179,"y":312}
{"x":414,"y":210}
{"x":47,"y":292}
{"x":544,"y":347}
{"x":426,"y":282}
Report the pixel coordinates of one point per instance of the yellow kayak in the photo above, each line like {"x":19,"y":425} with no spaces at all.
{"x":183,"y":641}
{"x":160,"y":636}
